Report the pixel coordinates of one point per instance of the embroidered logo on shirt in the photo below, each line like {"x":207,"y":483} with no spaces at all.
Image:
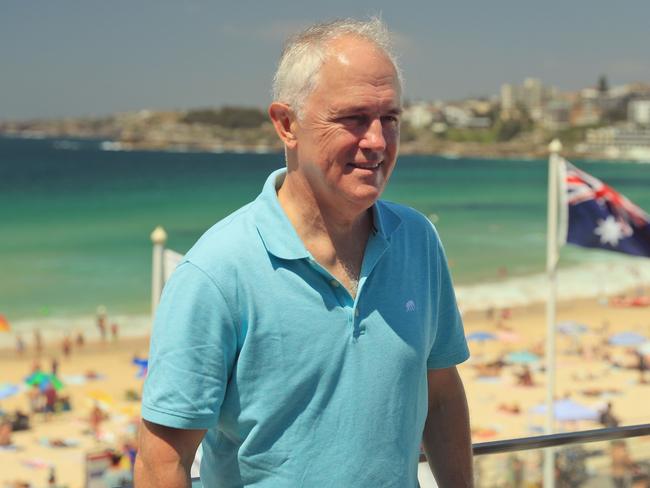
{"x":410,"y":306}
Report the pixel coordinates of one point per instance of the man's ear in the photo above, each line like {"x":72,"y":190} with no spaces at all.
{"x":283,"y":117}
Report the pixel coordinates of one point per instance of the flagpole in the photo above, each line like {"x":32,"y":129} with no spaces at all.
{"x":552,"y":256}
{"x":158,"y":238}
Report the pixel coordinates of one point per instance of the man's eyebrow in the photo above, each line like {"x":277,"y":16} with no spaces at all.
{"x":363,"y":109}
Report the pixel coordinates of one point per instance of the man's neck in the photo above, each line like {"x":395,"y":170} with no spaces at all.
{"x":336,"y":238}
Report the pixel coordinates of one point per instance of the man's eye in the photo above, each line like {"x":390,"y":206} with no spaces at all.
{"x":390,"y":119}
{"x":353,"y":119}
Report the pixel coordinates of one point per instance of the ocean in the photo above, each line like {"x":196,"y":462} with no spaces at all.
{"x":75,"y":222}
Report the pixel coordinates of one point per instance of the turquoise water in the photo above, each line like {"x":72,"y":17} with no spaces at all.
{"x":75,"y":220}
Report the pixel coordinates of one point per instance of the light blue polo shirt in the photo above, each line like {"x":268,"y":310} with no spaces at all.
{"x":298,"y":383}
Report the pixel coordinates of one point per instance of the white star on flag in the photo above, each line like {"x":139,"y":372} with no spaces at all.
{"x":609,"y":230}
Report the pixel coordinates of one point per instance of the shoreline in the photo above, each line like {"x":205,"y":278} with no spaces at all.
{"x":468,"y":150}
{"x":599,"y":281}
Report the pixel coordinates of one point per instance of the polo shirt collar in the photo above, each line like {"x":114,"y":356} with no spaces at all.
{"x":384,"y":220}
{"x":280,"y":237}
{"x":275,"y":229}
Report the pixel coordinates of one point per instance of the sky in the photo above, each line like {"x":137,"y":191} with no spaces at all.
{"x":92,"y":58}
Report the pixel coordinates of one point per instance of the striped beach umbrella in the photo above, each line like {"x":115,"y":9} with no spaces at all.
{"x":42,"y":380}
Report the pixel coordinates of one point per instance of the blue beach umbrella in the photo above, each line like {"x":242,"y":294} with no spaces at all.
{"x":143,"y":365}
{"x":8,"y":390}
{"x":521,"y":357}
{"x":627,"y":338}
{"x":568,"y":410}
{"x":481,"y":336}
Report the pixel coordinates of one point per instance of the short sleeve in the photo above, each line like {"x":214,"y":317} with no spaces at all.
{"x":192,"y":352}
{"x":449,"y":346}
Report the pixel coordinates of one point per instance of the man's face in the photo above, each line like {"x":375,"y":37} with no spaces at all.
{"x":348,"y":137}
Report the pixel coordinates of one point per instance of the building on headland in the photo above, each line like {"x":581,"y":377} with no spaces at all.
{"x":419,"y":115}
{"x":556,"y":115}
{"x":620,"y":142}
{"x":638,"y":112}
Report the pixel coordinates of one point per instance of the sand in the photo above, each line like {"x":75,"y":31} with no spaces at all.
{"x":579,"y":376}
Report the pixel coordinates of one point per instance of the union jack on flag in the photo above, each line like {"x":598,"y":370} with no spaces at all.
{"x":600,"y":217}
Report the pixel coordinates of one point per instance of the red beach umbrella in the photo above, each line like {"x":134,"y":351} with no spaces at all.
{"x":4,"y":324}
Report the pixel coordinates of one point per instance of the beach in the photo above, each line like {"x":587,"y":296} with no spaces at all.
{"x":79,"y":222}
{"x":501,"y":406}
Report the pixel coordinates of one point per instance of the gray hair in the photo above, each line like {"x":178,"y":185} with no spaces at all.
{"x":304,"y":54}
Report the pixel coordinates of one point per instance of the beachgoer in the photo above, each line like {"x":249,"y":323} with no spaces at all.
{"x":641,"y":366}
{"x":97,"y":416}
{"x":51,"y":478}
{"x":607,"y":417}
{"x":622,"y":465}
{"x":115,"y":330}
{"x":20,"y":345}
{"x":50,"y":400}
{"x":80,"y":340}
{"x":116,"y":476}
{"x":34,"y":395}
{"x":54,"y":366}
{"x":101,"y":321}
{"x":38,"y":342}
{"x":5,"y":432}
{"x":20,"y":421}
{"x":314,"y":334}
{"x":66,"y":346}
{"x":525,"y":377}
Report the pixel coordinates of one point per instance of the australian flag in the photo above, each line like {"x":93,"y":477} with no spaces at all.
{"x":600,"y":217}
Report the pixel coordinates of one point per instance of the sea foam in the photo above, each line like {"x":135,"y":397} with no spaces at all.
{"x":589,"y":280}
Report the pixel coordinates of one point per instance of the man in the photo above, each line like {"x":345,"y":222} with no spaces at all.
{"x":310,"y":338}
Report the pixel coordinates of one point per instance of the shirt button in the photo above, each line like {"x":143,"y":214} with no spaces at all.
{"x":334,"y":283}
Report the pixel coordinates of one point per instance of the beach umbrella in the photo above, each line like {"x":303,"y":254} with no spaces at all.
{"x":572,"y":328}
{"x":42,"y":380}
{"x":143,"y":365}
{"x":567,"y":410}
{"x":4,"y":324}
{"x":8,"y":390}
{"x":521,"y":357}
{"x":481,"y":336}
{"x":627,"y":338}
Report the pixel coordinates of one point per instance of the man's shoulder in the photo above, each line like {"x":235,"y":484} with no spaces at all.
{"x":229,"y":238}
{"x":410,"y":218}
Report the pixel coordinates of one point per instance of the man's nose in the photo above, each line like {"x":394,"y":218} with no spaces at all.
{"x":373,"y":138}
